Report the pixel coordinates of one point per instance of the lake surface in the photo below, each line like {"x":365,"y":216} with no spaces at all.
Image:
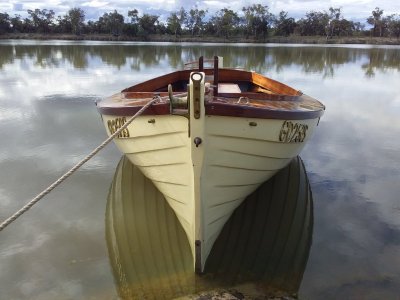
{"x":48,"y":122}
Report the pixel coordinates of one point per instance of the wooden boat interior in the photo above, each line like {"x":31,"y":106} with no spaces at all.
{"x":224,"y":82}
{"x":228,"y":92}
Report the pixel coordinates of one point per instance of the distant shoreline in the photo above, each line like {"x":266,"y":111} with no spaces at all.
{"x":206,"y":39}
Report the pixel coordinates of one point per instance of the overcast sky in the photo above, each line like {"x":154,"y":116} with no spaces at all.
{"x":356,"y":10}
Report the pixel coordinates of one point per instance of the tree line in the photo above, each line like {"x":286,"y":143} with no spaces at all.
{"x":255,"y":21}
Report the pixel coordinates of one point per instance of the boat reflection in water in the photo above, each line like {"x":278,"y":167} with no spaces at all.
{"x":262,"y":250}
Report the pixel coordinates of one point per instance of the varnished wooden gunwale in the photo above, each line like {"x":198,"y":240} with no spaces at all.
{"x":260,"y":96}
{"x":231,"y":110}
{"x":155,"y":109}
{"x":278,"y":99}
{"x":159,"y":82}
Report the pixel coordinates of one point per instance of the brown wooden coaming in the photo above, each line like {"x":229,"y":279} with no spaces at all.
{"x":224,"y":76}
{"x":273,"y":85}
{"x":159,"y":82}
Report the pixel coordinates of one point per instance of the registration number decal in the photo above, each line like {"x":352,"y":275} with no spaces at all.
{"x":117,"y":123}
{"x":292,"y":132}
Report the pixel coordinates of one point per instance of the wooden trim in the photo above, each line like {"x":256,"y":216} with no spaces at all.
{"x":201,"y":64}
{"x":216,"y":75}
{"x":232,"y":110}
{"x":155,"y":109}
{"x":260,"y":96}
{"x":147,"y":95}
{"x":217,"y":109}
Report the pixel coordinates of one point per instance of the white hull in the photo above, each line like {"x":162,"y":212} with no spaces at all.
{"x":205,"y":184}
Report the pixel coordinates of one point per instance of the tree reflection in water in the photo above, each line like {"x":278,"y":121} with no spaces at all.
{"x":312,"y":59}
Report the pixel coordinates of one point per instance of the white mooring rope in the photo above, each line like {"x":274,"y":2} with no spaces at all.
{"x":73,"y":169}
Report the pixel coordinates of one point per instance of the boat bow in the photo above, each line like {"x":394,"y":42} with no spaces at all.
{"x":215,"y":135}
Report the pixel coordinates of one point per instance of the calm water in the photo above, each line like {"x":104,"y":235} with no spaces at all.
{"x":48,"y":122}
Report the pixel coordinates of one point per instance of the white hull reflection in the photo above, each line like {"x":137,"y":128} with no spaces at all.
{"x":266,"y":241}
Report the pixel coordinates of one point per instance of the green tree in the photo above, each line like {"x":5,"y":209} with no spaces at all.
{"x":346,"y":28}
{"x":63,"y":24}
{"x":358,"y":28}
{"x":91,"y":27}
{"x":284,"y":26}
{"x":134,"y":15}
{"x":5,"y":24}
{"x":161,"y":28}
{"x":225,"y":22}
{"x":176,"y":20}
{"x":174,"y":24}
{"x":376,"y":21}
{"x":210,"y":26}
{"x":257,"y":19}
{"x":194,"y":20}
{"x":132,"y":27}
{"x":101,"y":25}
{"x":112,"y":23}
{"x":148,"y":23}
{"x":42,"y":19}
{"x":334,"y":20}
{"x":314,"y":23}
{"x":17,"y":24}
{"x":394,"y":25}
{"x":115,"y":22}
{"x":77,"y":18}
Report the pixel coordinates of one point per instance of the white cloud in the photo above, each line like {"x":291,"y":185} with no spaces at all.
{"x":18,"y":6}
{"x":354,"y":10}
{"x":95,"y":4}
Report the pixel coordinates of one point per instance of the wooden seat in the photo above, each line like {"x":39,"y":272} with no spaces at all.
{"x":229,"y":88}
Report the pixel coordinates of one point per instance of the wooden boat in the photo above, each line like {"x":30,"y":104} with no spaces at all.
{"x":214,"y":135}
{"x":261,"y":251}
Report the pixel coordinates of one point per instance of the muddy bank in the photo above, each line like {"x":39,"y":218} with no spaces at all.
{"x":207,"y":39}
